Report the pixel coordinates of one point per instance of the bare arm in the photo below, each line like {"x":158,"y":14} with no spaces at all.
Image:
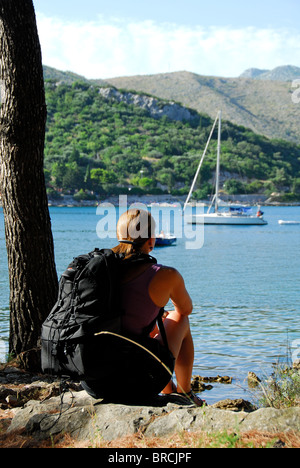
{"x":169,"y":284}
{"x":180,"y":297}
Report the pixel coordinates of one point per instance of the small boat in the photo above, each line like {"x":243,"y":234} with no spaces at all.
{"x":281,"y":221}
{"x":235,"y":215}
{"x":163,"y":240}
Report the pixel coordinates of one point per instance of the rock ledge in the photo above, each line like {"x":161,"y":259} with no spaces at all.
{"x":38,"y":409}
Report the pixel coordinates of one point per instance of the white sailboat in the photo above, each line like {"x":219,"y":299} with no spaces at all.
{"x":234,"y":215}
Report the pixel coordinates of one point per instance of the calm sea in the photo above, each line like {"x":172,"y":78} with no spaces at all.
{"x":244,"y":281}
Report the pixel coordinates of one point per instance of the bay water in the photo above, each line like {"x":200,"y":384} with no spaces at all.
{"x":244,"y":282}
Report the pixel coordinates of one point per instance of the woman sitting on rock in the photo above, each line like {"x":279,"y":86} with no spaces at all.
{"x":146,"y":288}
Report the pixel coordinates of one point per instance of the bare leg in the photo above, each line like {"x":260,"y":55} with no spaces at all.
{"x":181,"y":345}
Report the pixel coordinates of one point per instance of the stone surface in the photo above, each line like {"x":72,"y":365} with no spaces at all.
{"x":155,"y":107}
{"x":87,"y":419}
{"x":40,"y":407}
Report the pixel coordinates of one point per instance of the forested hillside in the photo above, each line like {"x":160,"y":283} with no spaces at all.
{"x":103,"y":146}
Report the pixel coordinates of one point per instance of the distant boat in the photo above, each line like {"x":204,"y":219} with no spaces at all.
{"x":163,"y":240}
{"x":239,"y":215}
{"x":281,"y":221}
{"x":234,"y":216}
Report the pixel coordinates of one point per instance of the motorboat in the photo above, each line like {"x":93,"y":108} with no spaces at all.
{"x":165,"y":239}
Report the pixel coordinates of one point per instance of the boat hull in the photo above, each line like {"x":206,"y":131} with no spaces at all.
{"x":162,"y":242}
{"x":225,"y":220}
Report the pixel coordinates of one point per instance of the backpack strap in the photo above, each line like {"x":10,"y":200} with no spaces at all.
{"x":138,"y":258}
{"x":162,"y":327}
{"x":146,"y":258}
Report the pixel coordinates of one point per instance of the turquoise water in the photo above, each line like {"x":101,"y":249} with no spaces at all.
{"x":244,"y":282}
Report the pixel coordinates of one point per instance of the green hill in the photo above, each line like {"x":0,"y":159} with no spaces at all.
{"x":259,"y":99}
{"x":107,"y":146}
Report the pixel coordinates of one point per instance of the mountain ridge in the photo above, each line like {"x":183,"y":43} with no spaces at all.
{"x":266,"y":107}
{"x":283,"y":73}
{"x":263,"y":105}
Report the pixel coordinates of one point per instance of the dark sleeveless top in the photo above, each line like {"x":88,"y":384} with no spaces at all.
{"x":140,"y":311}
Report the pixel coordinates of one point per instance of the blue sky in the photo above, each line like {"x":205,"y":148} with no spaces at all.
{"x":101,"y":39}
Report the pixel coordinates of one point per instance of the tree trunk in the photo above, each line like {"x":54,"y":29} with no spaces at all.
{"x":32,"y":273}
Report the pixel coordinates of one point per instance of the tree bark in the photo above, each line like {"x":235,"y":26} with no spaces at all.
{"x":30,"y":251}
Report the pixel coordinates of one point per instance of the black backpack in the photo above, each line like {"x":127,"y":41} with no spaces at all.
{"x":82,"y":338}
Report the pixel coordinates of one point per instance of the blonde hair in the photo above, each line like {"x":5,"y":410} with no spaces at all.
{"x":134,"y":228}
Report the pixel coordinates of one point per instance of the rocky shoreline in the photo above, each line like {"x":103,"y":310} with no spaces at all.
{"x":167,"y":200}
{"x":36,"y":406}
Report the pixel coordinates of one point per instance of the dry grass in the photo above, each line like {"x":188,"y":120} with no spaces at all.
{"x":252,"y":439}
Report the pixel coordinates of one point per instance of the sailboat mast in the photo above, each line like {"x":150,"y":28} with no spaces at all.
{"x":218,"y":163}
{"x":200,"y":164}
